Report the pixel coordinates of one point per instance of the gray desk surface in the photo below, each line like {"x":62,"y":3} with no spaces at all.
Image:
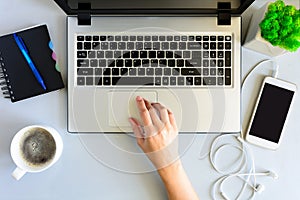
{"x":77,"y":175}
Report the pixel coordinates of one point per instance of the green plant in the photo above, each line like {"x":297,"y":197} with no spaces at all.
{"x":281,"y":26}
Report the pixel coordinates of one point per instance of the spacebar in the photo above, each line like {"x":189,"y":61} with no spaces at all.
{"x":132,"y":80}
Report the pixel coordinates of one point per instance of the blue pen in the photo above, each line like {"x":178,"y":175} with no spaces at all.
{"x":25,"y":53}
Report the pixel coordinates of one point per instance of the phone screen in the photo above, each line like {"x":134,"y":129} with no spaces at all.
{"x":271,"y":112}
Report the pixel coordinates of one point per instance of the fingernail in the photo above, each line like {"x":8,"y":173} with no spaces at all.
{"x":139,"y":98}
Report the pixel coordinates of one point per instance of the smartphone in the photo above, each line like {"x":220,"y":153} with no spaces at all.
{"x":270,"y":113}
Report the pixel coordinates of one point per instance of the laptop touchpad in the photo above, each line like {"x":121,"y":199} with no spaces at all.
{"x":122,"y":105}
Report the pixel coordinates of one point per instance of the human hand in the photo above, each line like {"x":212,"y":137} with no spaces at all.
{"x":157,"y":136}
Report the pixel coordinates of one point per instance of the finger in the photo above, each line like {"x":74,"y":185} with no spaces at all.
{"x":144,"y":113}
{"x":162,"y":111}
{"x":155,"y":117}
{"x":136,"y":129}
{"x":172,"y":119}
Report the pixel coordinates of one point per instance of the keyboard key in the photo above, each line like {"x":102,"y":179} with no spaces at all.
{"x":98,"y":80}
{"x":180,"y":80}
{"x":205,"y":45}
{"x":162,"y":62}
{"x":157,"y":80}
{"x":132,"y":72}
{"x":209,"y":80}
{"x":220,"y":72}
{"x":195,"y":62}
{"x":189,"y":81}
{"x":198,"y":38}
{"x":162,"y":38}
{"x":154,"y":38}
{"x":213,"y":45}
{"x":212,"y":72}
{"x":125,"y":38}
{"x":196,"y":54}
{"x":158,"y":71}
{"x":106,"y":72}
{"x":147,"y":45}
{"x":104,"y":45}
{"x":205,"y":54}
{"x":194,"y":45}
{"x":93,"y":63}
{"x":124,"y":71}
{"x":100,"y":54}
{"x":128,"y":63}
{"x":79,"y":45}
{"x":156,"y":46}
{"x":152,"y":54}
{"x":220,"y":45}
{"x":137,"y":63}
{"x":111,"y":62}
{"x":205,"y":63}
{"x":212,"y":63}
{"x":178,"y":54}
{"x":220,"y":81}
{"x":167,"y":71}
{"x":102,"y":63}
{"x":81,"y":54}
{"x":133,"y":80}
{"x":140,"y":38}
{"x":165,"y":80}
{"x":80,"y":38}
{"x":96,"y":38}
{"x":106,"y":81}
{"x":91,"y":54}
{"x":220,"y":54}
{"x":173,"y":81}
{"x":87,"y":45}
{"x":177,"y":38}
{"x":220,"y":63}
{"x":141,"y":71}
{"x":149,"y":71}
{"x":117,"y":54}
{"x":83,"y":63}
{"x":228,"y":38}
{"x":126,"y":54}
{"x":186,"y":54}
{"x":120,"y":63}
{"x":184,"y":38}
{"x":110,"y":38}
{"x":89,"y":81}
{"x":98,"y":71}
{"x":118,"y":38}
{"x":205,"y":71}
{"x":171,"y":63}
{"x":205,"y":38}
{"x":190,"y":71}
{"x":213,"y":38}
{"x":80,"y":81}
{"x":146,"y":63}
{"x":96,"y":45}
{"x":132,"y":38}
{"x":154,"y":63}
{"x":213,"y":54}
{"x":165,"y":45}
{"x":112,"y":46}
{"x":85,"y":71}
{"x":175,"y":71}
{"x":147,"y":38}
{"x":130,"y":46}
{"x":88,"y":38}
{"x":115,"y":71}
{"x":197,"y":81}
{"x":227,"y":45}
{"x":102,"y":38}
{"x":160,"y":54}
{"x":180,"y":63}
{"x":220,"y":38}
{"x":169,"y":38}
{"x":121,"y":45}
{"x":191,"y":38}
{"x":173,"y":45}
{"x":134,"y":54}
{"x":109,"y":54}
{"x":227,"y":76}
{"x":143,"y":54}
{"x":227,"y":58}
{"x":139,"y":46}
{"x":182,"y":45}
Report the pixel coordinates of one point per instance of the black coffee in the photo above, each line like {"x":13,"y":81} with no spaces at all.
{"x":37,"y":147}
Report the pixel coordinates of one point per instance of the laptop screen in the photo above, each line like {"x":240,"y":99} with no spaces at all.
{"x":153,"y":4}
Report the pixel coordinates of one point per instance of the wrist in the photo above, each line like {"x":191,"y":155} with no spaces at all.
{"x":171,"y":169}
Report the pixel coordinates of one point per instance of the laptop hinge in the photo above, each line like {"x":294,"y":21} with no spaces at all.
{"x":84,"y":15}
{"x":224,"y":15}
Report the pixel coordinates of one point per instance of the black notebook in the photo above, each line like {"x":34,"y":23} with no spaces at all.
{"x":17,"y":80}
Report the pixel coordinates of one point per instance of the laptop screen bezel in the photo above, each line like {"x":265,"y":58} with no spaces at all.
{"x":244,"y":4}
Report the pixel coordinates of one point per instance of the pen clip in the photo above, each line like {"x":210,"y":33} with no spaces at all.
{"x":19,"y":40}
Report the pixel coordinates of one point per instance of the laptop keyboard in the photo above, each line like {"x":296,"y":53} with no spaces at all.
{"x":197,"y":60}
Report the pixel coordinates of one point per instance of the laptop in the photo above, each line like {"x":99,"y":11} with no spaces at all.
{"x":183,"y":54}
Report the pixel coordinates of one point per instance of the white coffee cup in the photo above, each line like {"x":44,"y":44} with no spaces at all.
{"x":18,"y":148}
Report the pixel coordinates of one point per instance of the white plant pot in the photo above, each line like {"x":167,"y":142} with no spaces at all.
{"x":255,"y":42}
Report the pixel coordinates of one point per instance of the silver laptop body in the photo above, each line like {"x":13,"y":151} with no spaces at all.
{"x":206,"y":108}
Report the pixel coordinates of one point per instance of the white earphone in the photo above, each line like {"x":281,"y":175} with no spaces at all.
{"x":243,"y":164}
